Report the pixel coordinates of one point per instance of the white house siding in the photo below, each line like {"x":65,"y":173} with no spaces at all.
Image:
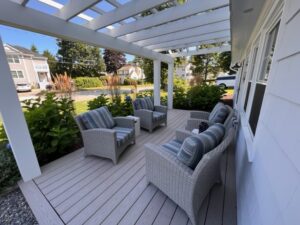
{"x":268,"y":188}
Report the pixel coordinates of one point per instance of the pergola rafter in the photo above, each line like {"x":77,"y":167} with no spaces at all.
{"x":190,"y":8}
{"x":75,"y":7}
{"x":215,"y":35}
{"x":202,"y":19}
{"x":128,"y":10}
{"x":194,"y":32}
{"x":204,"y":51}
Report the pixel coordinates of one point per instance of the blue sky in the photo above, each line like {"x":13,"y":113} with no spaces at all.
{"x":25,"y":39}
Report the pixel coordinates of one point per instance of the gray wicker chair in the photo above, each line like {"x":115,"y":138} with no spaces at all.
{"x":150,"y":118}
{"x":186,"y":187}
{"x":105,"y":142}
{"x":196,"y":117}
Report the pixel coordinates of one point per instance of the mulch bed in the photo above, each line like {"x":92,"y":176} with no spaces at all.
{"x":14,"y":209}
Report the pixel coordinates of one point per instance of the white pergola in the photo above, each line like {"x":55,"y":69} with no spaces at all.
{"x":173,"y":31}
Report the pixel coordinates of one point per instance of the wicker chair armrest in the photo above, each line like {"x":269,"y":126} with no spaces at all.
{"x":144,"y":114}
{"x":200,"y":115}
{"x":124,"y":122}
{"x":194,"y":124}
{"x":181,"y":134}
{"x":99,"y":135}
{"x":161,"y":108}
{"x":156,"y":154}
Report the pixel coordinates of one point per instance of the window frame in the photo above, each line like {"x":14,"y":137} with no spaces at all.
{"x":13,"y":59}
{"x":17,"y":74}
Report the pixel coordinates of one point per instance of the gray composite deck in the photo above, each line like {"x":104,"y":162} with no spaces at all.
{"x":90,"y":190}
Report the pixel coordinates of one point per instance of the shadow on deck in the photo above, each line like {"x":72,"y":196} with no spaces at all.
{"x":79,"y":190}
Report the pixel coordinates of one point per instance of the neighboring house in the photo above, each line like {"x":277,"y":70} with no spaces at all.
{"x":184,"y":71}
{"x":131,"y":71}
{"x":266,"y":46}
{"x":27,"y":66}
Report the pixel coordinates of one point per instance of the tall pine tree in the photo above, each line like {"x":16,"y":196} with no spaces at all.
{"x":113,"y":60}
{"x":78,"y":59}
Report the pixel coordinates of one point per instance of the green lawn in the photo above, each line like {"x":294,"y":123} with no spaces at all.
{"x":81,"y":106}
{"x":122,"y":87}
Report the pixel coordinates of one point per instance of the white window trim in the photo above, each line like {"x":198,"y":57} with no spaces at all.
{"x":13,"y":59}
{"x":17,"y":74}
{"x":274,"y":16}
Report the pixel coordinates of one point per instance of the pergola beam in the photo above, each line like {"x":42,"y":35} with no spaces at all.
{"x":75,"y":7}
{"x":204,"y":51}
{"x":193,"y":44}
{"x":210,"y":36}
{"x":190,"y":8}
{"x":12,"y":14}
{"x":123,"y":12}
{"x":194,"y":32}
{"x":202,"y":19}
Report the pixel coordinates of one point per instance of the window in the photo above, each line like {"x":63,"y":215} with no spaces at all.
{"x":17,"y":74}
{"x":13,"y":59}
{"x":269,"y":52}
{"x":250,"y":78}
{"x":260,"y":86}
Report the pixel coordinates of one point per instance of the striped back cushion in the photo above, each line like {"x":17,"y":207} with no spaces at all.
{"x":143,"y":103}
{"x":136,"y":104}
{"x":215,"y":110}
{"x":191,"y":152}
{"x":220,"y":115}
{"x":193,"y":148}
{"x":105,"y":117}
{"x":149,"y":103}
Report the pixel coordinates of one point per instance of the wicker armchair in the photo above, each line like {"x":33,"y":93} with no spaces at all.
{"x":150,"y":115}
{"x":196,"y":117}
{"x":186,"y":187}
{"x":107,"y":142}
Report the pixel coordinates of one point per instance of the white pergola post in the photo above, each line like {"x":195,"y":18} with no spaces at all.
{"x":15,"y":124}
{"x":170,"y":85}
{"x":156,"y":79}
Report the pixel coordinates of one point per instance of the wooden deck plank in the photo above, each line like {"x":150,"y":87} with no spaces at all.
{"x":166,"y":213}
{"x":180,"y":217}
{"x":98,"y":192}
{"x":118,"y":212}
{"x":43,"y":211}
{"x":230,"y":205}
{"x":152,"y":210}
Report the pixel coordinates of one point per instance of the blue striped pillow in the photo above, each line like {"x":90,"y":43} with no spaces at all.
{"x":143,"y":103}
{"x":193,"y":148}
{"x":105,"y":117}
{"x":191,"y":152}
{"x":149,"y":103}
{"x":220,"y":115}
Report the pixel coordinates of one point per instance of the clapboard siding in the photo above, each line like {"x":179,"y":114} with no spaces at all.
{"x":268,"y":189}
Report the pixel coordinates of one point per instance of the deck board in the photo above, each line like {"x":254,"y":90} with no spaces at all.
{"x":92,"y":190}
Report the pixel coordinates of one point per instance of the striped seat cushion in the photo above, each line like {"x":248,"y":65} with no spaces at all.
{"x":136,"y":104}
{"x":123,"y":135}
{"x":173,"y":146}
{"x":215,"y":110}
{"x":149,"y":103}
{"x":98,"y":118}
{"x":192,"y":150}
{"x":158,"y":116}
{"x":143,"y":103}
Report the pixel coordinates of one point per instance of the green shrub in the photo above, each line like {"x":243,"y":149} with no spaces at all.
{"x":104,"y":80}
{"x":52,"y":126}
{"x":8,"y":167}
{"x":204,"y":97}
{"x":129,"y":81}
{"x":88,"y":82}
{"x":180,"y":100}
{"x":117,"y":107}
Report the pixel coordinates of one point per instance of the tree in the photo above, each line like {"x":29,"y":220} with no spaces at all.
{"x":78,"y":59}
{"x":51,"y":61}
{"x":224,"y":62}
{"x":33,"y":48}
{"x":205,"y":64}
{"x":113,"y":60}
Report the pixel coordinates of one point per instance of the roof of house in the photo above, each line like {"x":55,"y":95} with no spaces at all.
{"x":26,"y":51}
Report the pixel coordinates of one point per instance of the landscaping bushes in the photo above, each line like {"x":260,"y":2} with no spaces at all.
{"x":200,"y":97}
{"x":88,"y":82}
{"x":52,"y":126}
{"x":117,"y":107}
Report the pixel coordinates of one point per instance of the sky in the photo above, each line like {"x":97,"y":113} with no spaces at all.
{"x":26,"y":39}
